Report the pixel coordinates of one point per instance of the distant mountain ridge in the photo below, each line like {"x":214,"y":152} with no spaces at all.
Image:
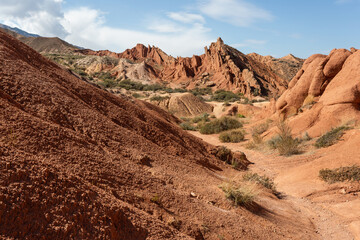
{"x":18,"y":31}
{"x":44,"y":45}
{"x":220,"y":67}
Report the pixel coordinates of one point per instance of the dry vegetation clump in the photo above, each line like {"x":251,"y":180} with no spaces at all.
{"x":237,"y":160}
{"x":220,"y":125}
{"x":262,"y":180}
{"x":340,"y":174}
{"x":241,"y":194}
{"x":187,"y":126}
{"x":284,"y":142}
{"x":331,"y":137}
{"x":232,"y":136}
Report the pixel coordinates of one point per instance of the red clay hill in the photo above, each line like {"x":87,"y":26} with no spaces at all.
{"x":77,"y":162}
{"x":221,"y":67}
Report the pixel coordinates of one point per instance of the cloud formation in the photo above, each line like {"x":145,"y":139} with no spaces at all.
{"x":177,"y":33}
{"x":36,"y":16}
{"x":236,"y":12}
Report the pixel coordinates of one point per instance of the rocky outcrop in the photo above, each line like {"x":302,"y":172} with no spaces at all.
{"x":220,"y":67}
{"x":326,"y":90}
{"x":285,"y":67}
{"x":184,"y":105}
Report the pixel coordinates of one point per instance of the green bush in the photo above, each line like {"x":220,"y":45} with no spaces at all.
{"x":239,"y":194}
{"x":225,"y":96}
{"x":187,"y":126}
{"x":232,"y":136}
{"x":330,"y":137}
{"x":220,"y":125}
{"x":340,"y":174}
{"x":201,"y":91}
{"x":203,"y":117}
{"x":158,"y":98}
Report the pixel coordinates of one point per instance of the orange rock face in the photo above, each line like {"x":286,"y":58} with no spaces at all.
{"x":332,"y":83}
{"x":221,"y":67}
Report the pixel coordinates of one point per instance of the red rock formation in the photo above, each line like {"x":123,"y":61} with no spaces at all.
{"x":329,"y":86}
{"x":221,"y":67}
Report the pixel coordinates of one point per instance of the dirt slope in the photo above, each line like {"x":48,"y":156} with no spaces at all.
{"x":77,"y":162}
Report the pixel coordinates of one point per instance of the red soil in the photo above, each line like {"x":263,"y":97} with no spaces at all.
{"x":77,"y":162}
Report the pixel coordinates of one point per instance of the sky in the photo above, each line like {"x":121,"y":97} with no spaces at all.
{"x":183,"y":28}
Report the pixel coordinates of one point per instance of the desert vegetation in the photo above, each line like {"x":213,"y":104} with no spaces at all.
{"x":241,"y":194}
{"x":232,"y":136}
{"x":341,"y":174}
{"x":262,"y":180}
{"x":220,"y":125}
{"x":330,"y":137}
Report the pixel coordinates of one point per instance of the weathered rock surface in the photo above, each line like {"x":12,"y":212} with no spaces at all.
{"x":184,"y":105}
{"x":332,"y":83}
{"x":221,"y":67}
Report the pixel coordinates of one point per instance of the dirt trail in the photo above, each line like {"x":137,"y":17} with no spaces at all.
{"x":326,"y":223}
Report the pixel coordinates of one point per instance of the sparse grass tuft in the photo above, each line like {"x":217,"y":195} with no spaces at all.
{"x":262,"y":180}
{"x":285,"y":143}
{"x":232,"y":136}
{"x":340,"y":174}
{"x":240,"y":194}
{"x":156,"y":199}
{"x":330,"y":137}
{"x":220,"y":125}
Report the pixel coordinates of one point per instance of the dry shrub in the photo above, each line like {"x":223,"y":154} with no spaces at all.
{"x":285,"y":143}
{"x":340,"y":174}
{"x":241,"y":194}
{"x":220,"y":125}
{"x":232,"y":136}
{"x":331,"y":137}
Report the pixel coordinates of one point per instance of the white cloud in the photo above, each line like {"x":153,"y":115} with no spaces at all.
{"x":87,"y":27}
{"x":249,"y":43}
{"x":186,"y":17}
{"x":236,"y":12}
{"x":35,"y":16}
{"x":177,"y":33}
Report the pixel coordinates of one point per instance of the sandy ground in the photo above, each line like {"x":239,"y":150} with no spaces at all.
{"x":334,"y":210}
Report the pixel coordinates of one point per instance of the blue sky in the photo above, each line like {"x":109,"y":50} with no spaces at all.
{"x":183,"y":28}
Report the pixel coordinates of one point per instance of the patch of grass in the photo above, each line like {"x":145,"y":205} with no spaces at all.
{"x":260,"y":129}
{"x":220,"y":125}
{"x":137,"y":95}
{"x":232,"y":136}
{"x":225,"y":96}
{"x":284,"y":142}
{"x":201,"y":91}
{"x":158,"y":98}
{"x":331,"y":137}
{"x":262,"y":180}
{"x":187,"y":126}
{"x":240,"y":194}
{"x":156,"y":199}
{"x":240,"y":116}
{"x":340,"y":174}
{"x":201,"y":118}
